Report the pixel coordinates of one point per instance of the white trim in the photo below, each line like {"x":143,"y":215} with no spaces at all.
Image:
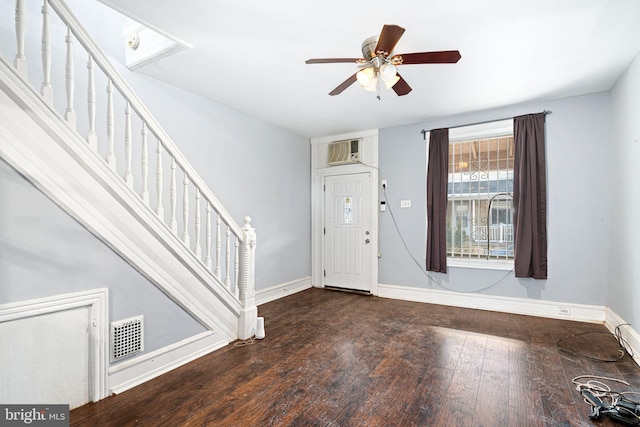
{"x":342,"y":136}
{"x":529,"y":307}
{"x":282,"y":290}
{"x":97,"y":300}
{"x":480,"y":264}
{"x":132,"y":372}
{"x":481,"y":130}
{"x":627,"y":332}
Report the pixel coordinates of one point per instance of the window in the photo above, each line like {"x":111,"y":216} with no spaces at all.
{"x":480,"y":185}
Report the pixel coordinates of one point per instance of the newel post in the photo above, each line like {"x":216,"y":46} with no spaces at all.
{"x":246,"y":282}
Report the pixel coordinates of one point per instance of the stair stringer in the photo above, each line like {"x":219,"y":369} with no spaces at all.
{"x":36,"y":141}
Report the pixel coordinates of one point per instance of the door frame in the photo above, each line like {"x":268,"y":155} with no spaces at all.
{"x":320,"y":171}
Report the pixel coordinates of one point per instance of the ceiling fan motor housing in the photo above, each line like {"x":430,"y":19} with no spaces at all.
{"x":369,"y":47}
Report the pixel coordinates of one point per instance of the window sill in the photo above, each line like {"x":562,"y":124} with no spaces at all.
{"x":482,"y":264}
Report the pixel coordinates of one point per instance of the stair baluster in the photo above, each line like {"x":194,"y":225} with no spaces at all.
{"x":111,"y":155}
{"x":92,"y":138}
{"x":207,"y":259}
{"x":20,"y":61}
{"x":69,"y":114}
{"x":128,"y":176}
{"x":173,"y":198}
{"x":227,"y":259}
{"x":144,"y":192}
{"x":236,"y":269}
{"x":197,"y":248}
{"x":185,"y":210}
{"x":218,"y":271}
{"x":159,"y":178}
{"x":46,"y":89}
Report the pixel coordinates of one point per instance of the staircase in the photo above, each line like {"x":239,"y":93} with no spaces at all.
{"x":159,"y":215}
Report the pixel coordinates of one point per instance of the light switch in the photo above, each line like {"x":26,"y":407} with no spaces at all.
{"x":405,"y":203}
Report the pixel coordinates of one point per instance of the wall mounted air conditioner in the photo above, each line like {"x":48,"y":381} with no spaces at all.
{"x":343,"y":152}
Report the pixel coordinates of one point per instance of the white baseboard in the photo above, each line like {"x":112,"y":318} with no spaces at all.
{"x":626,"y":331}
{"x":282,"y":290}
{"x":540,"y":308}
{"x":133,"y":372}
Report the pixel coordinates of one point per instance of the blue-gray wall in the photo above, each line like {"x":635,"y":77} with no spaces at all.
{"x":579,"y":205}
{"x":624,"y":278}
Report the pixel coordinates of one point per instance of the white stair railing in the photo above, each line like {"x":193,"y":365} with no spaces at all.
{"x":236,"y":271}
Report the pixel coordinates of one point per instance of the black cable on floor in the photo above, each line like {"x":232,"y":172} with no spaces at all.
{"x":623,"y":345}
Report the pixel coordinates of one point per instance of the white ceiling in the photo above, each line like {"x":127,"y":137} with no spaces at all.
{"x":250,"y":55}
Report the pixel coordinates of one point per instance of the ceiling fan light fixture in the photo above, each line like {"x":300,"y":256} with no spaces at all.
{"x":366,"y":76}
{"x":388,"y":72}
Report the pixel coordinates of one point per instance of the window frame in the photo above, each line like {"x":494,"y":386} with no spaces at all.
{"x":480,"y":131}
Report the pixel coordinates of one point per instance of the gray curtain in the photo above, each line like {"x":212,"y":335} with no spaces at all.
{"x":530,"y":197}
{"x":437,"y":187}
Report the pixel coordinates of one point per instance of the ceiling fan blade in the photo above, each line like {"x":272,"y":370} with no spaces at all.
{"x":333,"y":60}
{"x":389,"y":36}
{"x":401,"y":87}
{"x":442,"y":57}
{"x":345,"y":84}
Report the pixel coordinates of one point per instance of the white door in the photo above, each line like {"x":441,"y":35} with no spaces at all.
{"x":45,"y":359}
{"x":347,"y":231}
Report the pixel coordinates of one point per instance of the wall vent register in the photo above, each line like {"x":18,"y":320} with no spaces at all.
{"x":127,"y":337}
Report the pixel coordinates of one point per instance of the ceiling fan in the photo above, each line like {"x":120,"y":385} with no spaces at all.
{"x":379,"y":64}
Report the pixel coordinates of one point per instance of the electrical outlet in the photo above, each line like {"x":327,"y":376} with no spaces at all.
{"x":565,"y":311}
{"x":384,"y":183}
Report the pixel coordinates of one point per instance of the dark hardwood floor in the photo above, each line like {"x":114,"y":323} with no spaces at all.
{"x":339,"y":359}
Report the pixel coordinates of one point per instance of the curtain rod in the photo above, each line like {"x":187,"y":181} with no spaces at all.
{"x":424,"y":131}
